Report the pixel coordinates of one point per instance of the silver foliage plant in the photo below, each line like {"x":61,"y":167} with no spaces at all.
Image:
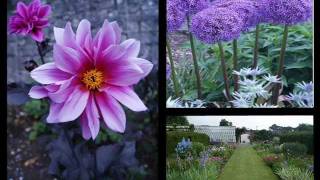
{"x":302,"y":95}
{"x":255,"y":85}
{"x":178,"y":103}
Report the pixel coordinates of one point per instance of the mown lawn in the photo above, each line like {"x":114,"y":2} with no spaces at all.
{"x":245,"y":164}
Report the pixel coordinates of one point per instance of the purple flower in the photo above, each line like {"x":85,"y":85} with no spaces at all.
{"x":287,"y":11}
{"x":216,"y":24}
{"x":175,"y":17}
{"x":192,"y":6}
{"x":246,"y":9}
{"x":168,"y":71}
{"x":30,"y":20}
{"x":90,"y":76}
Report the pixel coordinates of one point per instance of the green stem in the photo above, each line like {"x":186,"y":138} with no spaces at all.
{"x":275,"y":92}
{"x":256,"y":48}
{"x":235,"y":64}
{"x":195,"y":62}
{"x":173,"y":72}
{"x":224,"y":70}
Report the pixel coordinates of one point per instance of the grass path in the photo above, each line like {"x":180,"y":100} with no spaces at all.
{"x":245,"y":164}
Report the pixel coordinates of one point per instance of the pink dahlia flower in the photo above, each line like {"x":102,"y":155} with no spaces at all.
{"x":89,"y":76}
{"x":30,"y":20}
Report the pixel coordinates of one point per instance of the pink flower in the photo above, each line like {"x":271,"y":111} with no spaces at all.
{"x":89,"y":76}
{"x":30,"y":20}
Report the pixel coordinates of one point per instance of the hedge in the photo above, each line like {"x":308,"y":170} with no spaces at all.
{"x":173,"y":137}
{"x":303,"y":137}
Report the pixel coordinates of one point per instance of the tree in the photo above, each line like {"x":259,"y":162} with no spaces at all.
{"x":261,"y":135}
{"x":240,"y":131}
{"x":304,"y":127}
{"x":177,"y":121}
{"x":224,"y":122}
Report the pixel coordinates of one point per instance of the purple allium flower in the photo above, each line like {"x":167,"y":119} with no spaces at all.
{"x":30,"y":20}
{"x":168,"y":71}
{"x":216,"y":24}
{"x":175,"y":17}
{"x":192,"y":6}
{"x":287,"y":11}
{"x":246,"y":9}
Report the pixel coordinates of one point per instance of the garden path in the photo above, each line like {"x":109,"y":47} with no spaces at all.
{"x":245,"y":164}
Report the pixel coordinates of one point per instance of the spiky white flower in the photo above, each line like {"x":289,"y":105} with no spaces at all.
{"x":265,"y":105}
{"x":173,"y":103}
{"x":271,"y":78}
{"x":307,"y":87}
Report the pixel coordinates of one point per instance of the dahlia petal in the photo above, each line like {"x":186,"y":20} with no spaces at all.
{"x":66,"y":59}
{"x":58,"y":35}
{"x":107,"y":36}
{"x":52,"y":87}
{"x":132,"y":47}
{"x":37,"y":35}
{"x":78,"y":98}
{"x":83,"y":32}
{"x":145,"y":65}
{"x":112,"y":112}
{"x":38,"y":92}
{"x":41,"y":23}
{"x":49,"y":74}
{"x":124,"y":75}
{"x":63,"y":93}
{"x":86,"y":134}
{"x":22,"y":9}
{"x":54,"y":110}
{"x":112,"y":54}
{"x":93,"y":117}
{"x":127,"y":97}
{"x":117,"y":30}
{"x":69,"y":38}
{"x":44,"y":11}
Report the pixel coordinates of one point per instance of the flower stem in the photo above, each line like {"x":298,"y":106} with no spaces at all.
{"x":235,"y":64}
{"x":275,"y":92}
{"x":173,"y":72}
{"x":195,"y":62}
{"x":224,"y":70}
{"x":256,"y":48}
{"x":40,"y":52}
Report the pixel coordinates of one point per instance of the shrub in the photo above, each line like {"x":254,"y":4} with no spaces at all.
{"x":303,"y":137}
{"x":298,"y":162}
{"x":276,"y":140}
{"x":276,"y":166}
{"x":277,"y":150}
{"x":173,"y":137}
{"x":183,"y":148}
{"x":270,"y":160}
{"x":294,"y":149}
{"x":293,"y":173}
{"x":196,"y":148}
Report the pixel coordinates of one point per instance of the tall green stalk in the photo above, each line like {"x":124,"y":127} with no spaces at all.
{"x":224,"y":70}
{"x":195,"y":62}
{"x":173,"y":72}
{"x":235,"y":64}
{"x":275,"y":92}
{"x":256,"y":48}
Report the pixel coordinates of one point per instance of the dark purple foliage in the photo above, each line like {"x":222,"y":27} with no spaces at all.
{"x":288,"y":12}
{"x":216,"y":24}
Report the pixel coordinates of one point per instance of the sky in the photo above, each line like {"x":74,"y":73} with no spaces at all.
{"x":252,"y":122}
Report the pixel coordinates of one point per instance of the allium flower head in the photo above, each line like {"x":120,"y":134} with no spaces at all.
{"x":216,"y":24}
{"x":30,"y":20}
{"x":192,"y":6}
{"x":246,"y":9}
{"x":287,"y":11}
{"x":175,"y":17}
{"x":89,"y":76}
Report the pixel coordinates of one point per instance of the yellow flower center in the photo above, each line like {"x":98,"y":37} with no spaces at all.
{"x":93,"y":79}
